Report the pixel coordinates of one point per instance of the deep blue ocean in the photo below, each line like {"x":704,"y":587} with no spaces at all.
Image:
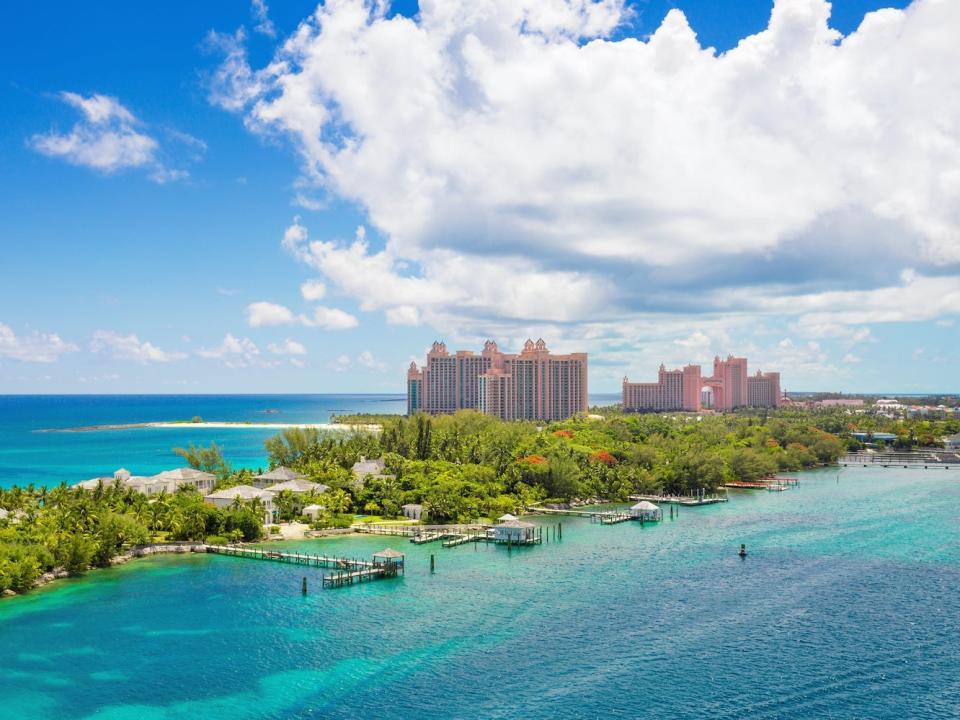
{"x":847,"y":606}
{"x":29,"y":455}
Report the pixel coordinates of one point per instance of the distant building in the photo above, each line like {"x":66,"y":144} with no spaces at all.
{"x":674,"y":390}
{"x":840,"y":402}
{"x":952,"y":442}
{"x":687,"y":390}
{"x":532,"y":385}
{"x":763,"y":390}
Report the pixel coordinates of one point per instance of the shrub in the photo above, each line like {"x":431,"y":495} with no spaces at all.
{"x":602,"y":456}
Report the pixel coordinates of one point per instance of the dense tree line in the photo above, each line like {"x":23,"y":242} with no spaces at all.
{"x":468,"y":465}
{"x":74,"y":530}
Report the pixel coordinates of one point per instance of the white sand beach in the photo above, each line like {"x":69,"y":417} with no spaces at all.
{"x":267,"y":426}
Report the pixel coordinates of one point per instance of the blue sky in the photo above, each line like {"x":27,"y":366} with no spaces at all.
{"x":514,"y":172}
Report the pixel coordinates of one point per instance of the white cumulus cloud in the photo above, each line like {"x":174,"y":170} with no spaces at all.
{"x":313,"y":290}
{"x":108,"y":138}
{"x":331,"y":318}
{"x":263,"y":314}
{"x":261,"y":16}
{"x":235,"y":352}
{"x":130,"y":347}
{"x":525,"y":170}
{"x":287,"y":347}
{"x":35,"y":347}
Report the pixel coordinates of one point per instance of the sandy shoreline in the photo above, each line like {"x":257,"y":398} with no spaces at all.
{"x":340,"y":427}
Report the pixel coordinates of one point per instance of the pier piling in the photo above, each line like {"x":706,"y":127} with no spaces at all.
{"x":432,"y":564}
{"x":303,"y":586}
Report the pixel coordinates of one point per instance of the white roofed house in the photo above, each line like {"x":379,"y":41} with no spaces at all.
{"x":364,"y":468}
{"x":228,"y":497}
{"x":299,"y":487}
{"x":94,"y":483}
{"x":173,"y":479}
{"x":289,"y":496}
{"x":279,"y":474}
{"x":952,"y":442}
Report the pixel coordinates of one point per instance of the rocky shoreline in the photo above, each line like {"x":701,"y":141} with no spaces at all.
{"x":175,"y":548}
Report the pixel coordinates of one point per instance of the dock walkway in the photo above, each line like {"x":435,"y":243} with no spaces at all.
{"x":324,"y":561}
{"x":685,"y":500}
{"x":925,"y":460}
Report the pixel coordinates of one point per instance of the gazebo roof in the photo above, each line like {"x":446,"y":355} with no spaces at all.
{"x":281,"y":474}
{"x":389,"y":553}
{"x":517,"y":524}
{"x":507,"y":517}
{"x":645,"y":505}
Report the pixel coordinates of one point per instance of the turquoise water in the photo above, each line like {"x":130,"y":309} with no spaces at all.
{"x":49,"y":458}
{"x":846,"y":607}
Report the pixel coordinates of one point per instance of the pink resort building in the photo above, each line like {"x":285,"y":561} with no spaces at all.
{"x":728,"y":388}
{"x":532,"y":385}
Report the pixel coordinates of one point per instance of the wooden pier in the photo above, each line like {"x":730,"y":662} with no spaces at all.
{"x":537,"y":510}
{"x":774,"y":484}
{"x":686,"y":500}
{"x":934,"y":460}
{"x":421,"y":534}
{"x":324,"y":561}
{"x":385,"y":564}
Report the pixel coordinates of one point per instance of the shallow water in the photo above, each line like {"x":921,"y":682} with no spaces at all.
{"x":846,"y":606}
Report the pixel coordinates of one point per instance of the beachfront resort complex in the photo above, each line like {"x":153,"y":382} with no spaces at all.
{"x":532,"y":385}
{"x":730,"y":387}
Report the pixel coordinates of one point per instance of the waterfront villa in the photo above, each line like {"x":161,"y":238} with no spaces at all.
{"x":227,"y":497}
{"x":645,"y":510}
{"x":516,"y":532}
{"x":952,"y":442}
{"x":202,"y":481}
{"x":279,"y":474}
{"x":168,"y":481}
